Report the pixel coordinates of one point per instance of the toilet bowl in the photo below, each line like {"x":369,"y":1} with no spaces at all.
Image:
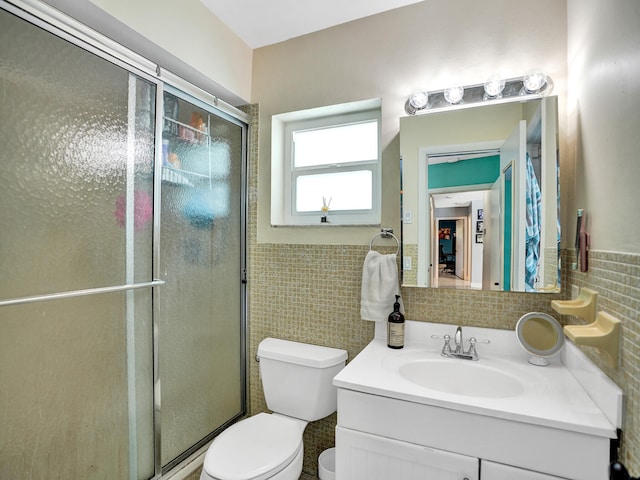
{"x":297,"y":382}
{"x":265,"y":446}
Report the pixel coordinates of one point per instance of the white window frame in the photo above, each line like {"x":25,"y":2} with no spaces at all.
{"x":283,"y":175}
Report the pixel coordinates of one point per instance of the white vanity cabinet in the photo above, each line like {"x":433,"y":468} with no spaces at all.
{"x":372,"y":457}
{"x":497,"y":471}
{"x":398,"y":437}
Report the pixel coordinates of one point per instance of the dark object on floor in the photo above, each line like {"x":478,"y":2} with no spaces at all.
{"x":617,"y":471}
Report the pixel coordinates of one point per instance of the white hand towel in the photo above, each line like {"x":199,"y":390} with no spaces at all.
{"x":380,"y":285}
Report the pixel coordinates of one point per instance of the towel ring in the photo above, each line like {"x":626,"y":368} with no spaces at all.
{"x":385,"y":233}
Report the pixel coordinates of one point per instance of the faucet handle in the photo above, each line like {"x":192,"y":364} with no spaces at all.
{"x":472,"y":347}
{"x":474,"y":340}
{"x":446,"y":348}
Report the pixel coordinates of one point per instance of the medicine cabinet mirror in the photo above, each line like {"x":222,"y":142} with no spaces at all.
{"x":480,"y":197}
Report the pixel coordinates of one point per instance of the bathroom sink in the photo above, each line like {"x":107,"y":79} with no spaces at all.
{"x":461,"y":377}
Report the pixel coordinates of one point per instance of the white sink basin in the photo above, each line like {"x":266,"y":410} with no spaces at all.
{"x":488,"y":378}
{"x":461,"y":377}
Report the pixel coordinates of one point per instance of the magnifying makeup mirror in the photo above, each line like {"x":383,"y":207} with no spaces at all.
{"x":540,"y":335}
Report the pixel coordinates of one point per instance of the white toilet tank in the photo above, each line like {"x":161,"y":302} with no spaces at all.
{"x":297,"y":377}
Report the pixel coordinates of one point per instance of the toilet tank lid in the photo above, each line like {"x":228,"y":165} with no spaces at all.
{"x":301,"y":353}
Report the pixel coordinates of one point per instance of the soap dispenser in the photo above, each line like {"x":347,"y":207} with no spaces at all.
{"x":395,"y":326}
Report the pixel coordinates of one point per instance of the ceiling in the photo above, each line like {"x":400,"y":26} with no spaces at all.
{"x":265,"y":22}
{"x":458,"y":199}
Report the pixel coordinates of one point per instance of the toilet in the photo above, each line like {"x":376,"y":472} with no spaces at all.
{"x":297,"y":381}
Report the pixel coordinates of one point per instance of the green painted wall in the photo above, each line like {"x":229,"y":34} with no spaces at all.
{"x":466,"y":172}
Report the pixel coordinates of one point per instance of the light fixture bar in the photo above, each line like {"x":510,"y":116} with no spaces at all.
{"x":514,"y":90}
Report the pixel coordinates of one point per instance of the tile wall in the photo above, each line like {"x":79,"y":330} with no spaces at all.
{"x":616,"y":278}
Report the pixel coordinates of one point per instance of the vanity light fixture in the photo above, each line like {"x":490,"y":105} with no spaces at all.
{"x":495,"y":89}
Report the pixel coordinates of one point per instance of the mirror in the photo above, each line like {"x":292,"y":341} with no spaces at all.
{"x":480,"y":197}
{"x":540,"y":335}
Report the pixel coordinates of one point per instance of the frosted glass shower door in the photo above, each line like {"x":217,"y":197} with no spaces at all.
{"x":202,"y":248}
{"x":112,"y":184}
{"x":76,"y":227}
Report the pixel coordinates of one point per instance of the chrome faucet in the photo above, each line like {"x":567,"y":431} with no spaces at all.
{"x":458,"y":350}
{"x":458,"y":340}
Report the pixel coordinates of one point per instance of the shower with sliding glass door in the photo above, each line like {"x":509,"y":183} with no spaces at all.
{"x":122,"y":259}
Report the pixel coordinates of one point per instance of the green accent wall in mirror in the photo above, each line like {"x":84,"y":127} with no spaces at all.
{"x":456,"y":173}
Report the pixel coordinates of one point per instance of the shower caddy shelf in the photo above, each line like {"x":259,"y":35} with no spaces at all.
{"x":177,"y":176}
{"x":172,"y":131}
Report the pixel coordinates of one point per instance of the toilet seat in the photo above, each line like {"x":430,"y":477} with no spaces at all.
{"x":254,"y":449}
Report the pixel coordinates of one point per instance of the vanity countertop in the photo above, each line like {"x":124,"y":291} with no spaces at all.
{"x":552,"y":396}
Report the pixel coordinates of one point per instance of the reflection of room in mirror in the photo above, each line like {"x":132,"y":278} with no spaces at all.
{"x":506,"y":155}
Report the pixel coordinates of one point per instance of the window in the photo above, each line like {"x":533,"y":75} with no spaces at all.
{"x":327,"y":156}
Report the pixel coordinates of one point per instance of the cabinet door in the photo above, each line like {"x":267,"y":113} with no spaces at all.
{"x":360,"y":456}
{"x":497,"y":471}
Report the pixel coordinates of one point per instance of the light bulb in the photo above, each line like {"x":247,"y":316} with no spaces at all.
{"x":419,"y":99}
{"x":534,"y":81}
{"x":494,"y":86}
{"x":453,"y":95}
